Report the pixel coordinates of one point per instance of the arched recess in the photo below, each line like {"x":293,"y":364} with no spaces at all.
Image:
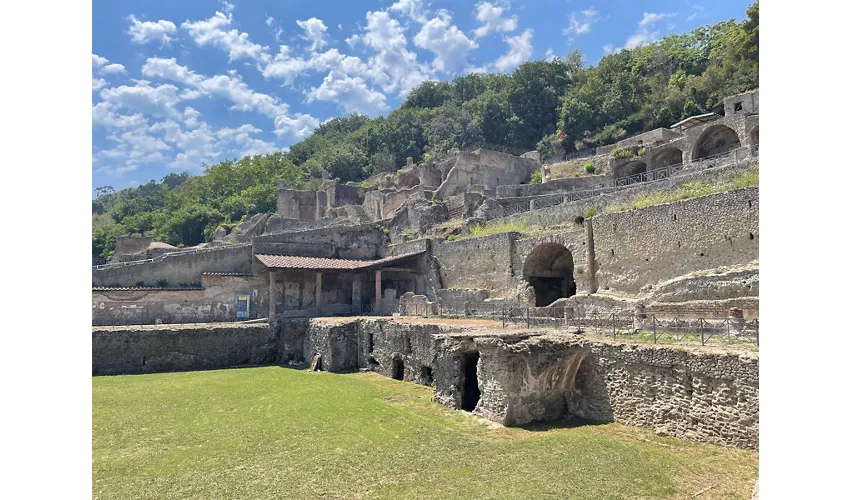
{"x":549,"y":269}
{"x":631,"y":168}
{"x":716,"y":140}
{"x":754,"y":137}
{"x":668,"y":157}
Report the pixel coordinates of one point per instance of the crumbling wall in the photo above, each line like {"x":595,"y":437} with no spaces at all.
{"x":363,"y":241}
{"x":489,"y":168}
{"x":643,"y":247}
{"x":126,"y":245}
{"x":177,"y":268}
{"x":165,"y":348}
{"x":294,"y":204}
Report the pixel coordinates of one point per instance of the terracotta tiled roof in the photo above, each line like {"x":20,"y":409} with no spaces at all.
{"x":137,"y":288}
{"x":225,"y":274}
{"x":321,"y":263}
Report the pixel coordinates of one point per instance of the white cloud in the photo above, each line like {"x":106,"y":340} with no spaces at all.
{"x":227,"y":7}
{"x":393,"y":67}
{"x":580,"y":24}
{"x":284,"y":66}
{"x":414,"y":9}
{"x":143,"y":98}
{"x":97,"y":61}
{"x":147,"y":31}
{"x":211,"y":32}
{"x":113,"y":68}
{"x":491,"y":19}
{"x":233,"y":89}
{"x":449,"y":44}
{"x":645,"y":32}
{"x":97,"y":84}
{"x":519,"y":52}
{"x":271,"y":23}
{"x":352,"y":94}
{"x":550,"y":54}
{"x":608,"y":49}
{"x":103,"y":114}
{"x":314,"y":32}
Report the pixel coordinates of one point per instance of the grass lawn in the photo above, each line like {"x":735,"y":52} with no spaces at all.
{"x":280,"y":433}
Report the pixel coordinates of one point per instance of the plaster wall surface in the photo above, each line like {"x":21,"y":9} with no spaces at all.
{"x":347,"y":242}
{"x":484,"y":262}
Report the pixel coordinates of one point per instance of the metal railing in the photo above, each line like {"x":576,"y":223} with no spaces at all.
{"x":174,"y":318}
{"x":664,"y":173}
{"x":170,"y":254}
{"x":627,"y":325}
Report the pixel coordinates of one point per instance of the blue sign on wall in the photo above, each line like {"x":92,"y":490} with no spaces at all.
{"x":243,"y":305}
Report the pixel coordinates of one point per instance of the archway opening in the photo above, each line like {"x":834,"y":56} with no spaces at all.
{"x":754,"y":137}
{"x":668,"y":157}
{"x":549,"y":269}
{"x":471,"y":393}
{"x":426,"y":375}
{"x":716,"y":140}
{"x":629,"y":169}
{"x":398,"y":369}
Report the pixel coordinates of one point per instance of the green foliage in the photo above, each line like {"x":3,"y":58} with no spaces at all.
{"x":590,"y":168}
{"x":589,"y":212}
{"x":537,"y":177}
{"x":641,"y":151}
{"x":163,"y":283}
{"x":622,"y":153}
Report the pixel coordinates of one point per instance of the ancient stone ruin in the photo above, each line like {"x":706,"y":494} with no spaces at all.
{"x":410,"y":244}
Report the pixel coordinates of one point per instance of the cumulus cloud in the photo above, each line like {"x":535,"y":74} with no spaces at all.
{"x":148,"y":31}
{"x":449,"y":44}
{"x":414,"y":9}
{"x":519,"y":52}
{"x":212,"y":32}
{"x":350,"y":93}
{"x":284,"y":66}
{"x":113,"y":68}
{"x":97,"y":61}
{"x":314,"y":32}
{"x":143,"y":98}
{"x":272,"y":23}
{"x":233,"y":89}
{"x":491,"y":19}
{"x":580,"y":23}
{"x":393,"y":67}
{"x":646,"y":32}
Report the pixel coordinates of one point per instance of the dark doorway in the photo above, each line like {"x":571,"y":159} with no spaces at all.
{"x":549,"y":269}
{"x":471,"y":394}
{"x":398,"y":369}
{"x":426,"y":375}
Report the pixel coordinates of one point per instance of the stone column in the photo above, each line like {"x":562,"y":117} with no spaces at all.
{"x":272,"y":292}
{"x":319,"y":292}
{"x":355,"y":294}
{"x":378,"y":298}
{"x":592,"y":282}
{"x":736,"y":321}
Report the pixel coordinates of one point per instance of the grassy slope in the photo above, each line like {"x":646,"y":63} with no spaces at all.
{"x":281,"y":433}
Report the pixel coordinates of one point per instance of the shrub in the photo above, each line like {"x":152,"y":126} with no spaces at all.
{"x":621,"y":153}
{"x":162,"y":283}
{"x":590,"y":212}
{"x":641,"y":151}
{"x":537,"y":177}
{"x":589,"y":168}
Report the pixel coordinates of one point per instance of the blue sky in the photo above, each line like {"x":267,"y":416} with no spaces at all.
{"x":179,"y":83}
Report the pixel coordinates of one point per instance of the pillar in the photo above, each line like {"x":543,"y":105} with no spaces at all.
{"x":592,"y":282}
{"x":355,"y":294}
{"x":319,"y":292}
{"x":378,"y":298}
{"x":272,"y":292}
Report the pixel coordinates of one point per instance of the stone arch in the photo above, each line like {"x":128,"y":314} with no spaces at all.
{"x":754,"y":137}
{"x":630,"y":168}
{"x":716,"y":140}
{"x":549,"y":269}
{"x":667,"y":157}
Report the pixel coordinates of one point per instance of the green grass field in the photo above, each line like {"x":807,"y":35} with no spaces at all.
{"x":281,"y":433}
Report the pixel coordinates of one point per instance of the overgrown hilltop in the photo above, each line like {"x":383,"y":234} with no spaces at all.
{"x":549,"y":105}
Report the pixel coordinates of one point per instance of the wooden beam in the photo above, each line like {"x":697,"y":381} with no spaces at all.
{"x":399,"y":269}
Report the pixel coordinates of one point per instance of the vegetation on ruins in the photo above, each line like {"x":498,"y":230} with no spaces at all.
{"x":537,"y":177}
{"x":750,"y":178}
{"x":281,"y":433}
{"x":561,"y":105}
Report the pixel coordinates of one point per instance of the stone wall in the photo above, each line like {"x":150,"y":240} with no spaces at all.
{"x":346,"y":242}
{"x":566,"y":184}
{"x":484,"y":262}
{"x":642,"y":247}
{"x":177,"y":268}
{"x":216,"y":301}
{"x":162,"y":348}
{"x":125,"y":245}
{"x":686,"y":393}
{"x":294,"y":204}
{"x":488,"y":168}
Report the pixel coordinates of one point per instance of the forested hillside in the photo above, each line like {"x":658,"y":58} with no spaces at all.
{"x":541,"y":105}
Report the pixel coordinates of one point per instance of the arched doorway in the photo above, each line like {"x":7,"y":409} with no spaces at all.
{"x":716,"y":140}
{"x":398,"y":368}
{"x":668,"y":157}
{"x":631,"y":168}
{"x":549,"y":269}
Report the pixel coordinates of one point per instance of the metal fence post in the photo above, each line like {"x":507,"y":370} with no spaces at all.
{"x":503,"y":315}
{"x":701,"y":332}
{"x":614,"y":324}
{"x":756,"y":324}
{"x":527,"y":319}
{"x":654,"y":331}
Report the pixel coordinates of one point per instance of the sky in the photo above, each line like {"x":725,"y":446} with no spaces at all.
{"x":180,"y":84}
